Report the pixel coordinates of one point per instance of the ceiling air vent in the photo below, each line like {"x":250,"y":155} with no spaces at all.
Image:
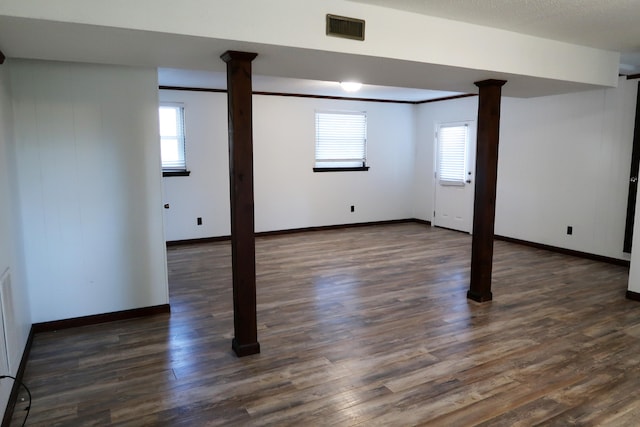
{"x":348,"y":28}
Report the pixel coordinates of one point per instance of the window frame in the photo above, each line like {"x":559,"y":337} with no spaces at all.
{"x":175,"y":171}
{"x":350,"y":168}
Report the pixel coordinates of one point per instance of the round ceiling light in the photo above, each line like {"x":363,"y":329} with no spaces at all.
{"x":351,"y":86}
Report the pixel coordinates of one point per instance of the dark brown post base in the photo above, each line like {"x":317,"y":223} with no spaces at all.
{"x":242,"y":350}
{"x":479,"y":297}
{"x":634,"y":296}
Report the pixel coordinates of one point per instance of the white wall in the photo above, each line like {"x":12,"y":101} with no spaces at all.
{"x":18,"y":317}
{"x":88,"y":173}
{"x":288,"y":194}
{"x":427,"y":117}
{"x":563,"y":160}
{"x":205,"y":193}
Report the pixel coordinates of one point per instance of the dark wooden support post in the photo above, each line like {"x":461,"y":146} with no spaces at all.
{"x":484,"y":206}
{"x":243,"y":248}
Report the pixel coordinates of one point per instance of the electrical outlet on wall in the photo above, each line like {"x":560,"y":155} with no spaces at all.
{"x":199,"y":220}
{"x":353,"y":208}
{"x":569,"y":230}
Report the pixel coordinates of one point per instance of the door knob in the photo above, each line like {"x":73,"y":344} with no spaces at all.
{"x":166,"y":205}
{"x":634,"y":179}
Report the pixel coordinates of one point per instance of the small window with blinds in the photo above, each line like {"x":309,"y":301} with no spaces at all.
{"x":452,"y":153}
{"x":172,"y":140}
{"x":341,"y":141}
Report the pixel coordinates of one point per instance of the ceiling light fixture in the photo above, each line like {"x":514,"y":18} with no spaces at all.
{"x":351,"y":86}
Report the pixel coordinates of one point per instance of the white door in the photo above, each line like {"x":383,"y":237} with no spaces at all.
{"x":454,"y":176}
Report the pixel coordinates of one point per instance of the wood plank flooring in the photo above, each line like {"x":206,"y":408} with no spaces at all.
{"x":364,"y":326}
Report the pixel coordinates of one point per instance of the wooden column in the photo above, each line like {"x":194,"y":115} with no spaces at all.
{"x":243,"y":249}
{"x":484,"y":207}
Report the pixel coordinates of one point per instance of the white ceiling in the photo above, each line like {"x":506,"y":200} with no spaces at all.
{"x":604,"y":24}
{"x":218,"y":80}
{"x":609,"y":24}
{"x":76,"y":42}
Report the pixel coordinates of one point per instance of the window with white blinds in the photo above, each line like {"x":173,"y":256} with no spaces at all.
{"x":452,"y":153}
{"x":172,"y":137}
{"x":341,"y":140}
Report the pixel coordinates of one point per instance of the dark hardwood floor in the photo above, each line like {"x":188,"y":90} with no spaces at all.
{"x":362,"y":326}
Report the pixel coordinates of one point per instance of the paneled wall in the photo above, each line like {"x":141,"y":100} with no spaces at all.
{"x":15,"y":315}
{"x":88,"y":177}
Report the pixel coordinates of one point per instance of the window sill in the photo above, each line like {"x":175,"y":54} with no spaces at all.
{"x":351,"y":169}
{"x":176,"y":173}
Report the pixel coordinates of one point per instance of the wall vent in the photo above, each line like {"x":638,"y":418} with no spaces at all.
{"x":348,"y":28}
